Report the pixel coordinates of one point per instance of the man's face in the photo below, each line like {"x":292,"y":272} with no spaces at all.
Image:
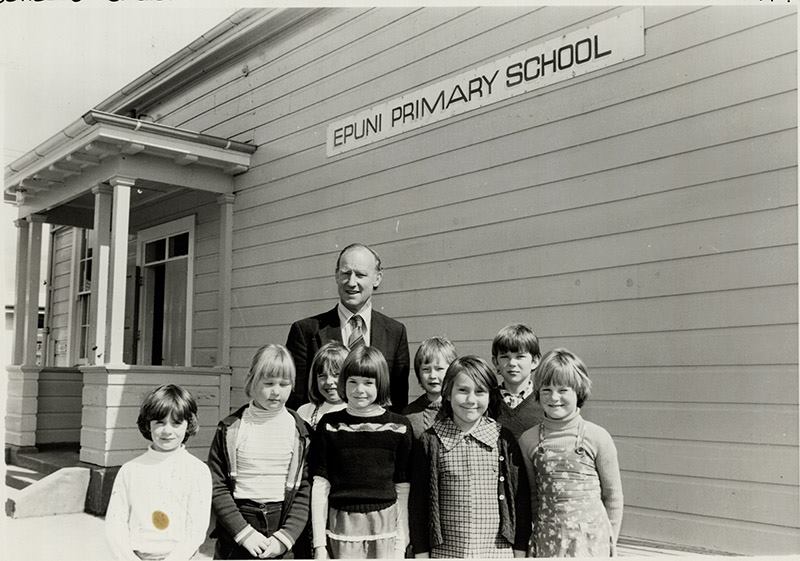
{"x":356,"y":278}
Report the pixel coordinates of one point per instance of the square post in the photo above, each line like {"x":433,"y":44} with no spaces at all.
{"x":225,"y":203}
{"x":119,"y":252}
{"x":98,"y":300}
{"x":21,"y":293}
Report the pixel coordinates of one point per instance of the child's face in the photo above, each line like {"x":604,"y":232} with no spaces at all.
{"x":167,"y":434}
{"x":361,"y":392}
{"x":326,"y":384}
{"x":469,"y":402}
{"x":558,"y":402}
{"x":514,"y":366}
{"x":431,"y":375}
{"x":271,"y":393}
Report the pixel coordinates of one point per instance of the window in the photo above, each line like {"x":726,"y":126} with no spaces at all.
{"x":165,"y":255}
{"x":84,"y":293}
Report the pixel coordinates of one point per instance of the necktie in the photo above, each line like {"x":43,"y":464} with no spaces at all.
{"x":356,"y":334}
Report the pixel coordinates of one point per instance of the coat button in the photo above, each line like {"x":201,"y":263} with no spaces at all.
{"x":502,"y":497}
{"x":502,"y":478}
{"x":501,"y":458}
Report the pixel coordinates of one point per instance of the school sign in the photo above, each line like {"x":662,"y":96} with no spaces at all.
{"x":579,"y":52}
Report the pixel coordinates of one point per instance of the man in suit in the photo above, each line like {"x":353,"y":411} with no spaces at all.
{"x":352,"y":322}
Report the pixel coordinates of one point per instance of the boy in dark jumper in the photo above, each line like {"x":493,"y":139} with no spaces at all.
{"x":515,"y":355}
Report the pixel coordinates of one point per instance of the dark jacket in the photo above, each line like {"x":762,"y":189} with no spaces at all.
{"x":512,"y":485}
{"x":306,"y":336}
{"x":222,"y":463}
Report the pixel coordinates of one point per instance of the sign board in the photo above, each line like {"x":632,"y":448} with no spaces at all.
{"x":578,"y":52}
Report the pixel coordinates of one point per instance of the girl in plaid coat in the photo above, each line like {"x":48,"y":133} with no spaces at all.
{"x":469,"y":489}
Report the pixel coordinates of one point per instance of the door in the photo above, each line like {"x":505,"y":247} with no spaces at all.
{"x":165,"y":255}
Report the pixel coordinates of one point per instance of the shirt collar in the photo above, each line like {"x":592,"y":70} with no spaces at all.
{"x":450,"y":435}
{"x":526,"y":390}
{"x":365,"y":312}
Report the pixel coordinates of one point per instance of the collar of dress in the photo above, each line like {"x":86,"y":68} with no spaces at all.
{"x":486,"y":432}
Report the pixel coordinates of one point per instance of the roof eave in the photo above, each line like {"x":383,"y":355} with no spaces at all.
{"x":228,"y":40}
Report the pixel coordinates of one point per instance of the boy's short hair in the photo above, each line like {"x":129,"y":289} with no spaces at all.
{"x":432,"y":348}
{"x":270,"y":361}
{"x":329,"y":358}
{"x":168,"y":400}
{"x":367,"y":362}
{"x":477,"y":370}
{"x":516,"y":337}
{"x":560,"y":367}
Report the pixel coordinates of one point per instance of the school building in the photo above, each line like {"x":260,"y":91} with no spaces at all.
{"x":623,"y":179}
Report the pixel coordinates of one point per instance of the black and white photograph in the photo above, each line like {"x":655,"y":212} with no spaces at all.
{"x":378,"y":280}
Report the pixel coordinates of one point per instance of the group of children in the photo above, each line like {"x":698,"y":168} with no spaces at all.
{"x":475,"y":467}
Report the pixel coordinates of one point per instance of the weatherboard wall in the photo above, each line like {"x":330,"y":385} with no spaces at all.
{"x":643,"y":216}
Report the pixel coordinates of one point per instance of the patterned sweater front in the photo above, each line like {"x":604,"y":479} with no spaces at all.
{"x":362,"y":458}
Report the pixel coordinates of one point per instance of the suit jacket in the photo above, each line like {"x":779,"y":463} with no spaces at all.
{"x":388,"y":335}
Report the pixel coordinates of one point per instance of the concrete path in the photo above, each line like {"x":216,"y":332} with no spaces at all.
{"x":80,"y":537}
{"x":63,"y":537}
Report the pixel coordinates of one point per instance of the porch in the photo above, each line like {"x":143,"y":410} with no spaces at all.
{"x":123,"y":320}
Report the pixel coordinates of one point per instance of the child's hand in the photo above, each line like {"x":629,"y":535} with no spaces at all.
{"x":275,"y":548}
{"x":256,"y":543}
{"x":321,"y":552}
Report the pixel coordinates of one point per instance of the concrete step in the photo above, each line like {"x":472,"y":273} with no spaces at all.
{"x":18,"y":477}
{"x":62,"y":492}
{"x":45,"y":460}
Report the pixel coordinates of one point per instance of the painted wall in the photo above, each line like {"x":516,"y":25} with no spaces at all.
{"x":643,"y":216}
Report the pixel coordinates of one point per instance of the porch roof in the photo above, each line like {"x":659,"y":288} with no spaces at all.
{"x":101,"y":146}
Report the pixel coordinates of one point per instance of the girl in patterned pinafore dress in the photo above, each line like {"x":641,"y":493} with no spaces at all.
{"x":572,"y":466}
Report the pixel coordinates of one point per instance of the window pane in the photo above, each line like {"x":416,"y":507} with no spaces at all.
{"x":82,"y":277}
{"x":179,"y":245}
{"x":84,"y":346}
{"x":154,"y":251}
{"x":88,"y":243}
{"x":84,"y":306}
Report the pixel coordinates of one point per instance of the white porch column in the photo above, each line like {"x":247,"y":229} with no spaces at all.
{"x":225,"y":264}
{"x":119,"y":262}
{"x":33,"y":274}
{"x":23,"y":375}
{"x":100,"y":259}
{"x":21,"y":290}
{"x":224,"y":301}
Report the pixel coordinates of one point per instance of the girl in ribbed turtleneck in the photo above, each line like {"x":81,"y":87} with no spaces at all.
{"x":572,"y":467}
{"x":258,"y":466}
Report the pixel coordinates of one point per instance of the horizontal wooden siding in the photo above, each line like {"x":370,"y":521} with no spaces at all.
{"x":643,"y":215}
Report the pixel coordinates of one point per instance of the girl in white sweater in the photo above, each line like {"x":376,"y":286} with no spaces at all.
{"x":161,"y":500}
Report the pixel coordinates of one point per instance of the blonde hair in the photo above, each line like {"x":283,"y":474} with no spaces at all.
{"x":560,"y":367}
{"x":270,"y":361}
{"x":431,"y":349}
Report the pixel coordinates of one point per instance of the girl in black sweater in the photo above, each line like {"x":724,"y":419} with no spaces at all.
{"x":359,"y":463}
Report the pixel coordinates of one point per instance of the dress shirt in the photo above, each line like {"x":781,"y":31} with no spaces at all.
{"x":344,"y":318}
